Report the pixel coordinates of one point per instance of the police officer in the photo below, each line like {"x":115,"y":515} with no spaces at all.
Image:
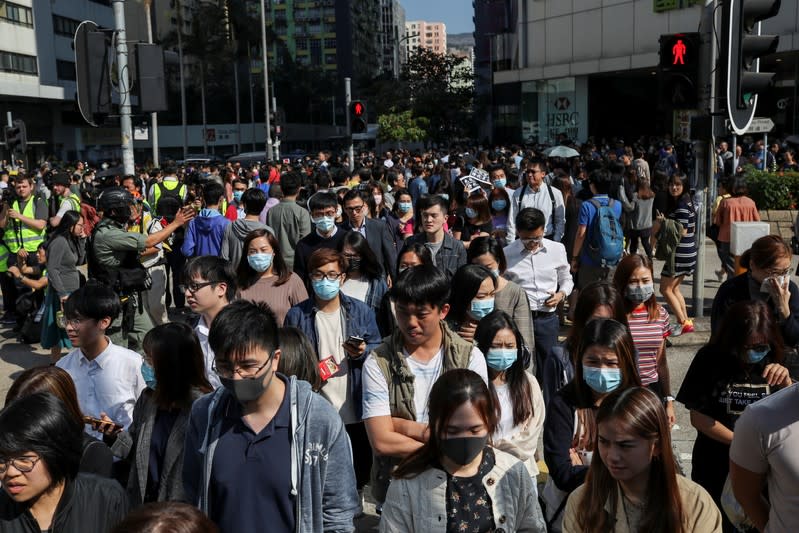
{"x":114,"y":260}
{"x":24,"y":222}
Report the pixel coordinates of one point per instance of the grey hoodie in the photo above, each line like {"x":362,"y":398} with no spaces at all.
{"x":322,"y":475}
{"x":233,"y":240}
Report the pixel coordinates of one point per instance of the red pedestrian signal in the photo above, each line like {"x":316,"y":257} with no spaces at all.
{"x":358,"y":117}
{"x":678,"y":70}
{"x":678,"y":53}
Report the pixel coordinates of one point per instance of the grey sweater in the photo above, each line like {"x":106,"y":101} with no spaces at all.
{"x":322,"y":475}
{"x":641,"y":210}
{"x":233,"y":240}
{"x":63,"y":257}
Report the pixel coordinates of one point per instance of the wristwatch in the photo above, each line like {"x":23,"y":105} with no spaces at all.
{"x":668,"y":399}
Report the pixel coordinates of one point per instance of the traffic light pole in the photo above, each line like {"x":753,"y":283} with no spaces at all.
{"x":347,"y":102}
{"x":153,"y":115}
{"x":125,"y":123}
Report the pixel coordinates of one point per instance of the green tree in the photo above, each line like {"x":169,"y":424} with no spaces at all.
{"x":402,"y":126}
{"x":440,"y":87}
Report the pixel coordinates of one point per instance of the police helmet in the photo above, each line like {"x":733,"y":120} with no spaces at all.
{"x":114,"y":198}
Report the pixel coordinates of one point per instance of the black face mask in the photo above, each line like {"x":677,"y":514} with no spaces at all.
{"x":355,"y":264}
{"x":463,"y":450}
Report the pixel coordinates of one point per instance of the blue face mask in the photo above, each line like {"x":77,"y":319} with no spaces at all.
{"x":324,"y":224}
{"x":501,"y":359}
{"x":237,"y":195}
{"x":470,"y":213}
{"x":444,"y":196}
{"x":405,"y":206}
{"x":499,"y":205}
{"x":481,"y":308}
{"x":500,"y":183}
{"x":326,"y":289}
{"x":754,"y":356}
{"x":260,"y":262}
{"x":148,"y":374}
{"x":602,"y":380}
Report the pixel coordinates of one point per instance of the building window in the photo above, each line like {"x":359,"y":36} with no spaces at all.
{"x":11,"y":62}
{"x":330,"y":43}
{"x":330,"y":59}
{"x":16,"y":13}
{"x":316,"y":52}
{"x":65,"y":69}
{"x":65,"y":26}
{"x":302,"y":44}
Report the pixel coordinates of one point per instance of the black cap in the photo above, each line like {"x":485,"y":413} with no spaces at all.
{"x":61,"y":178}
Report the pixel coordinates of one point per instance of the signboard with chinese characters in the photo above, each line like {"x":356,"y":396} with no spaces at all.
{"x":670,"y":5}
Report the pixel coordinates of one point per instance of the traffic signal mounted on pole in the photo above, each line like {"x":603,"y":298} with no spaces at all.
{"x":358,"y":117}
{"x":741,"y":48}
{"x":678,"y":70}
{"x":272,"y":124}
{"x":16,"y":137}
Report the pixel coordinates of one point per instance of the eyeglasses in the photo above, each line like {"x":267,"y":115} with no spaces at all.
{"x":320,"y":214}
{"x":74,"y":322}
{"x":247,"y":371}
{"x":330,"y":276}
{"x":778,"y":273}
{"x":354,"y":208}
{"x":24,"y":464}
{"x":193,"y":287}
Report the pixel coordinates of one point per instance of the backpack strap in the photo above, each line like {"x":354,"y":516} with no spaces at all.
{"x":551,"y":199}
{"x":521,"y":195}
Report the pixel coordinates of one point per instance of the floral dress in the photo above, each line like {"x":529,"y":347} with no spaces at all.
{"x":469,"y":507}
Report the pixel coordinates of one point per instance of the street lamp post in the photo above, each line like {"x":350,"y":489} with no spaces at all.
{"x":396,"y":52}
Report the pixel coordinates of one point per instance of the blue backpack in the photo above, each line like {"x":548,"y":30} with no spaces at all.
{"x":605,"y":236}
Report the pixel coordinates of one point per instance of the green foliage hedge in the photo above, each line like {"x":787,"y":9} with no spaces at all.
{"x":778,"y":190}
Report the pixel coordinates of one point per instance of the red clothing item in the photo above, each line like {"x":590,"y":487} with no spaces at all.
{"x":648,"y":338}
{"x":740,"y":209}
{"x":232,"y":212}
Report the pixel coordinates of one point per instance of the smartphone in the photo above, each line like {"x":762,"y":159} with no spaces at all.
{"x":91,"y":421}
{"x":355,"y":340}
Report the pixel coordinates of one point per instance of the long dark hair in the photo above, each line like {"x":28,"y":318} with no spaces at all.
{"x":50,"y":379}
{"x":740,"y":323}
{"x":370,"y":268}
{"x":64,"y":228}
{"x":453,"y":389}
{"x":641,"y":412}
{"x":591,"y":297}
{"x":42,"y":424}
{"x":298,"y":357}
{"x":178,"y":363}
{"x":465,"y":285}
{"x":621,"y":279}
{"x":673,"y":203}
{"x":247,"y":276}
{"x":521,"y":394}
{"x":419,"y":250}
{"x":487,"y":245}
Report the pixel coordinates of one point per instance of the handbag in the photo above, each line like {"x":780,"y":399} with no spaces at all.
{"x":733,"y":509}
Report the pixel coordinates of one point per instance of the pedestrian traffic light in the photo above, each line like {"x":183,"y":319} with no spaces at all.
{"x":678,"y":70}
{"x":742,"y":46}
{"x":358,"y":117}
{"x":272,"y":125}
{"x":16,"y":137}
{"x":92,"y":59}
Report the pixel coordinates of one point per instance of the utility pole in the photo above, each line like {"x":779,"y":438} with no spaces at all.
{"x":347,"y":102}
{"x":154,"y":115}
{"x":269,"y":154}
{"x":179,"y":9}
{"x":124,"y":87}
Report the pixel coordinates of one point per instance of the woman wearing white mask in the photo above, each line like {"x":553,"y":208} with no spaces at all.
{"x":520,"y":404}
{"x":263,"y":275}
{"x":649,"y":325}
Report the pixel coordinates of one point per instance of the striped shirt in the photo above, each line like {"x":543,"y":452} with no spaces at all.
{"x":648,"y":337}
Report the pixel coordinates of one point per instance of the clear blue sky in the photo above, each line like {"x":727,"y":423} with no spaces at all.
{"x":456,"y":14}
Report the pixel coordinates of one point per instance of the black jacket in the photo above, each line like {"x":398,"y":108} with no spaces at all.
{"x":378,"y":235}
{"x":737,"y":290}
{"x":89,"y":503}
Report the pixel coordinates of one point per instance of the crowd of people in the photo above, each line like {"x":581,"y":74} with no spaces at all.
{"x":233,"y":347}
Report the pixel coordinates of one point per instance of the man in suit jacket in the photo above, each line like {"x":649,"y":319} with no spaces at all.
{"x":376,"y":231}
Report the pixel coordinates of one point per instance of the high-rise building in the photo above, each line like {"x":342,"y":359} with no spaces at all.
{"x":37,"y":73}
{"x":393,"y":44}
{"x":429,"y":35}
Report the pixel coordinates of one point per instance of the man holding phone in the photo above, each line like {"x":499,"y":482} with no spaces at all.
{"x":343,"y":330}
{"x":107,"y":377}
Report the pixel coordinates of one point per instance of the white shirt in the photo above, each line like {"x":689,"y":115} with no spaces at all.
{"x":330,"y":333}
{"x":556,"y":224}
{"x":540,"y":274}
{"x":201,"y":330}
{"x":111,"y":383}
{"x":375,"y":387}
{"x":356,"y":288}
